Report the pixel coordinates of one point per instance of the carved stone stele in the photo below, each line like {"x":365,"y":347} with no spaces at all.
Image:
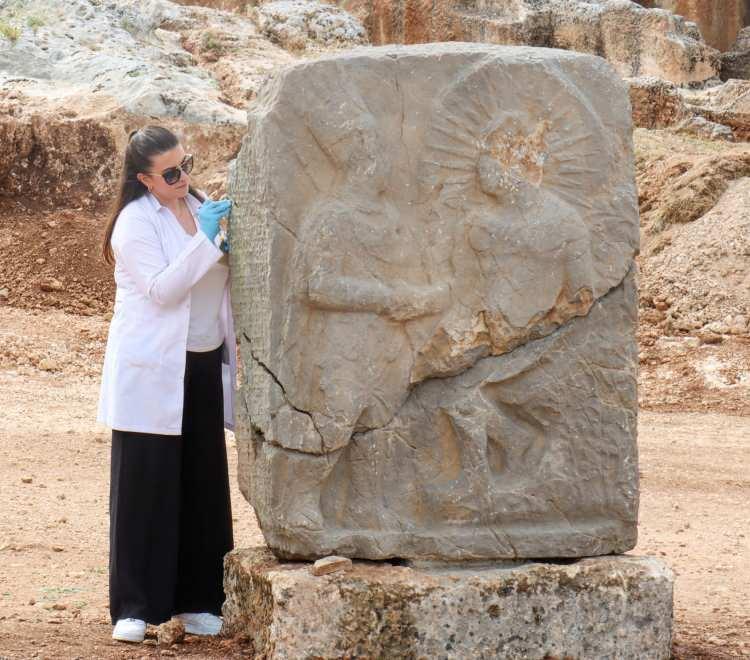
{"x":432,"y":280}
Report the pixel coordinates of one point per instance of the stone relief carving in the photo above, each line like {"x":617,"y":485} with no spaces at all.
{"x":433,"y":279}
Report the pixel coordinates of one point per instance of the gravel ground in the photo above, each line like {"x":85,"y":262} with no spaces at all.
{"x":55,"y":479}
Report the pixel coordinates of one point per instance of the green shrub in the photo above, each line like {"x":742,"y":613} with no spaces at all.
{"x":10,"y":32}
{"x":35,"y":22}
{"x":211,"y":42}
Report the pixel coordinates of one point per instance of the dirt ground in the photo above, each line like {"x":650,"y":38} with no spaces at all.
{"x":55,"y":477}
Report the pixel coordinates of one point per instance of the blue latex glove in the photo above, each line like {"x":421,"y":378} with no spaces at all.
{"x":209,"y":215}
{"x":225,"y":245}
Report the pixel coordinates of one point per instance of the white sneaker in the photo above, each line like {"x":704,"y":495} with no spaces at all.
{"x":202,"y":623}
{"x":129,"y":630}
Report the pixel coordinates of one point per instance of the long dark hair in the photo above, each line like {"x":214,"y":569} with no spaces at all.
{"x":143,"y":145}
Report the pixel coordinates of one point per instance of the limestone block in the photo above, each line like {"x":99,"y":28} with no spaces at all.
{"x":719,"y":22}
{"x":656,"y":103}
{"x":432,"y":287}
{"x":736,"y":62}
{"x":636,"y":41}
{"x":607,"y":607}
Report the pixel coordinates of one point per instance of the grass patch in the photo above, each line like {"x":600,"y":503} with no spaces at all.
{"x":35,"y":22}
{"x":211,"y":43}
{"x":10,"y":32}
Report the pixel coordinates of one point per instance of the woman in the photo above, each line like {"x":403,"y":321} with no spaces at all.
{"x":166,"y":393}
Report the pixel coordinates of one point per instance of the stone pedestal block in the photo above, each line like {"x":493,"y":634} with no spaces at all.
{"x":608,"y":607}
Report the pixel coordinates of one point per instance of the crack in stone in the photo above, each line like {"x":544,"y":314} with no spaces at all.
{"x":403,"y":111}
{"x":286,"y":397}
{"x":413,"y":388}
{"x":416,"y":386}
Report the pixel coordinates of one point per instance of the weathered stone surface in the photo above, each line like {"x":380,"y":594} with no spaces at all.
{"x":170,"y":632}
{"x":736,"y":62}
{"x":727,"y":104}
{"x":660,"y":104}
{"x":608,"y":607}
{"x":637,"y":41}
{"x":703,"y":128}
{"x":297,"y":23}
{"x":656,"y":103}
{"x":719,"y":21}
{"x":431,"y":258}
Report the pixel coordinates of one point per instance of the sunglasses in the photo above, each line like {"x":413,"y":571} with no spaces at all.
{"x":172,"y":174}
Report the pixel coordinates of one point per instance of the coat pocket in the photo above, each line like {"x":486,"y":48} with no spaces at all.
{"x":142,"y":360}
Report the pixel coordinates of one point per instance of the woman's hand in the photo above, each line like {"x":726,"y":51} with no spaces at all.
{"x":209,"y":215}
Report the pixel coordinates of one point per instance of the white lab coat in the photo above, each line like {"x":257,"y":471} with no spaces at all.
{"x":144,"y":361}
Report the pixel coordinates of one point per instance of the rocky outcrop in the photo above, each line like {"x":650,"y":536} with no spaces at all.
{"x":727,"y":104}
{"x":431,"y":277}
{"x":295,"y":24}
{"x":736,"y":62}
{"x":128,"y":56}
{"x":79,"y":76}
{"x":718,"y":20}
{"x":656,"y":103}
{"x":637,"y":41}
{"x":713,"y":112}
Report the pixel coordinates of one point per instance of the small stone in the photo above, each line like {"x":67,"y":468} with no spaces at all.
{"x":41,"y":260}
{"x":170,"y":632}
{"x":27,"y":480}
{"x":4,"y":293}
{"x":331,"y":564}
{"x":719,"y":327}
{"x":59,"y":606}
{"x":58,"y":548}
{"x":708,"y":337}
{"x":51,"y":284}
{"x":48,"y":364}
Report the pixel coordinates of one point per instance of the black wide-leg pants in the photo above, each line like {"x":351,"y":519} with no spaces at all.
{"x":170,"y":510}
